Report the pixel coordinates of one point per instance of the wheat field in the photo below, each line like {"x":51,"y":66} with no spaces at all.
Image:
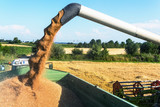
{"x":111,"y":51}
{"x":104,"y":74}
{"x":15,"y":45}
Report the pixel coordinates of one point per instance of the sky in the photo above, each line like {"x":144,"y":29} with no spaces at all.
{"x":26,"y":19}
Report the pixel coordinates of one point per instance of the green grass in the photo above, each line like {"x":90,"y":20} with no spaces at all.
{"x":110,"y":58}
{"x":14,"y":51}
{"x":67,"y":45}
{"x":23,"y":50}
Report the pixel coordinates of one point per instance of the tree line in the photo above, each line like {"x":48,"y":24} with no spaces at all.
{"x":14,"y":41}
{"x":110,"y":44}
{"x":140,"y":52}
{"x":146,"y":51}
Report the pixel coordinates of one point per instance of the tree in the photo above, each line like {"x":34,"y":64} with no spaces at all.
{"x":98,"y":42}
{"x":110,"y":44}
{"x":77,"y":52}
{"x":9,"y":41}
{"x":131,"y":48}
{"x":104,"y":54}
{"x":80,"y":45}
{"x":122,"y":45}
{"x":57,"y":52}
{"x":149,"y":47}
{"x":85,"y":45}
{"x":1,"y":40}
{"x":91,"y":43}
{"x":116,"y":44}
{"x":128,"y":41}
{"x":15,"y":40}
{"x":103,"y":45}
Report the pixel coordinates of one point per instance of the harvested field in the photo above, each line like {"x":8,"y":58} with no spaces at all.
{"x":112,"y":51}
{"x":69,"y":50}
{"x":116,"y":51}
{"x":104,"y":74}
{"x":15,"y":45}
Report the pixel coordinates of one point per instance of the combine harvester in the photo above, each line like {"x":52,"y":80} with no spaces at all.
{"x":139,"y":92}
{"x":90,"y":95}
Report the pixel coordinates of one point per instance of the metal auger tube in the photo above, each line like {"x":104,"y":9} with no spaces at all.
{"x":74,"y":9}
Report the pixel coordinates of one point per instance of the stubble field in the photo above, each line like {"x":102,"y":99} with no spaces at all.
{"x":104,"y":74}
{"x":15,"y":45}
{"x":111,"y":51}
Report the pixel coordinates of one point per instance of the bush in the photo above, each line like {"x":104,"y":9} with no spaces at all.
{"x":78,"y":57}
{"x":0,"y":47}
{"x":94,"y":53}
{"x":147,"y":57}
{"x":77,"y":52}
{"x":57,"y":52}
{"x":5,"y":50}
{"x":13,"y":50}
{"x":104,"y":54}
{"x":80,"y":45}
{"x":157,"y":58}
{"x":149,"y":47}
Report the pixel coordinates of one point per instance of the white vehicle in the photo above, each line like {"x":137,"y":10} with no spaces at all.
{"x":20,"y":62}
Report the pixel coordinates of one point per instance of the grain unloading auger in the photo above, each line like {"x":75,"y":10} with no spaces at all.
{"x":74,"y":9}
{"x":135,"y":91}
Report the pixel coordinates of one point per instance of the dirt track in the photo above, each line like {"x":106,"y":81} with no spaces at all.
{"x":103,"y":74}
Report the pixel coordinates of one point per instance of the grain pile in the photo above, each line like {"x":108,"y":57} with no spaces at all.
{"x":32,"y":90}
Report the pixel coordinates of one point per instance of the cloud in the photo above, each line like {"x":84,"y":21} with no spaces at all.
{"x":81,"y":34}
{"x":96,"y":31}
{"x":106,"y":33}
{"x":8,"y":32}
{"x":14,"y":29}
{"x":152,"y":25}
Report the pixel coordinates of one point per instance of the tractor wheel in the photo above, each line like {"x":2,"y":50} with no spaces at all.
{"x":156,"y":83}
{"x":117,"y":89}
{"x":137,"y":89}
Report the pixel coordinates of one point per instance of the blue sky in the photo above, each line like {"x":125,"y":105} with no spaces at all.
{"x":27,"y":19}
